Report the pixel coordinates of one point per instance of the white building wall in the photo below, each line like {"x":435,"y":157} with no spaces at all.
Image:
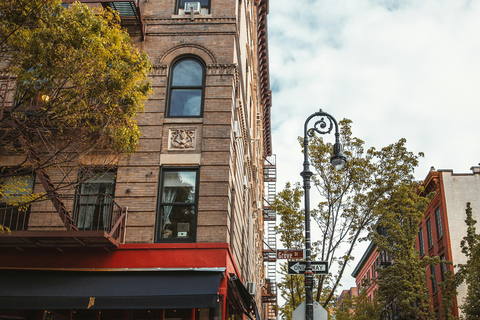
{"x":460,"y":189}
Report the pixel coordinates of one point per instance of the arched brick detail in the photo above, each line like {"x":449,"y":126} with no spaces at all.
{"x":206,"y":55}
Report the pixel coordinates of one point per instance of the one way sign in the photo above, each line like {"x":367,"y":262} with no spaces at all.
{"x":298,"y":267}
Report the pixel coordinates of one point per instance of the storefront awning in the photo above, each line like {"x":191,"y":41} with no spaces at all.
{"x":244,"y":297}
{"x":109,"y":289}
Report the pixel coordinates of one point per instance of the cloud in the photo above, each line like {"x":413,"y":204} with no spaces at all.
{"x":396,"y":68}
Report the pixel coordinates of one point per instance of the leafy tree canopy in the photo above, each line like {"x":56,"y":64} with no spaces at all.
{"x":348,"y":200}
{"x":79,"y":80}
{"x":73,"y":85}
{"x":401,"y":286}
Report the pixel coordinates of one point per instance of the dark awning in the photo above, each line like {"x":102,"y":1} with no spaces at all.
{"x":109,"y":289}
{"x":245,"y":298}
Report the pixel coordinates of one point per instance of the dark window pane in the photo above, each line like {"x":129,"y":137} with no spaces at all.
{"x":429,"y":234}
{"x":438,"y":221}
{"x":178,"y":221}
{"x":94,"y":205}
{"x":187,"y":73}
{"x":420,"y":242}
{"x":186,"y":102}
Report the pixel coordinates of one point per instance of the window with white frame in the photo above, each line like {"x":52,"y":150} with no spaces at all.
{"x":94,"y":201}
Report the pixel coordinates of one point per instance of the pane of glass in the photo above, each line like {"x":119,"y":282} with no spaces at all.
{"x":177,"y":221}
{"x":188,"y":73}
{"x":16,"y":186}
{"x":186,"y":102}
{"x":203,"y":3}
{"x":107,"y":177}
{"x":179,"y":187}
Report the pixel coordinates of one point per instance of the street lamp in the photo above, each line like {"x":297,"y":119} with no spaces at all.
{"x":338,"y":160}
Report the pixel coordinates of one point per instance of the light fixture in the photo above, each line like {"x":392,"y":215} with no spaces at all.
{"x":338,"y":159}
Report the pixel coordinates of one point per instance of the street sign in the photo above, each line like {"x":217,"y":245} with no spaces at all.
{"x":290,"y":253}
{"x":298,"y":267}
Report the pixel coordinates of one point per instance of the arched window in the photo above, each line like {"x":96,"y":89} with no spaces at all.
{"x":186,"y":92}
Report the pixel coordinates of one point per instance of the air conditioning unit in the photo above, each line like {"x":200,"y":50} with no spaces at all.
{"x":195,"y":5}
{"x":251,"y":288}
{"x":236,"y":129}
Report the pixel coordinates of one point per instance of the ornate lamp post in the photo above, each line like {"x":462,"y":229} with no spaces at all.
{"x":338,"y":160}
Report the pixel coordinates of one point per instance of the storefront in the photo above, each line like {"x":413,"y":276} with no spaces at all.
{"x":126,"y":284}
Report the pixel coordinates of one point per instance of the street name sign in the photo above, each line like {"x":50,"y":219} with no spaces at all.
{"x":290,"y":253}
{"x":298,"y":267}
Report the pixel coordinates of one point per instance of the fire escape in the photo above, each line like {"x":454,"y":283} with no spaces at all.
{"x":71,"y":220}
{"x":128,"y":10}
{"x":269,"y":296}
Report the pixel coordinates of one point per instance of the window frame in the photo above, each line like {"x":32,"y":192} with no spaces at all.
{"x":433,"y":278}
{"x":15,"y":212}
{"x":160,"y":204}
{"x":171,"y":87}
{"x":421,"y":244}
{"x":178,"y":6}
{"x":429,"y":233}
{"x":443,"y":267}
{"x":438,"y":222}
{"x":102,"y":205}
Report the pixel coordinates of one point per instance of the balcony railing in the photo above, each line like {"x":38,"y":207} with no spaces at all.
{"x":98,"y":219}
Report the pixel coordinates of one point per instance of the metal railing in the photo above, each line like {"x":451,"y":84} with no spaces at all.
{"x":92,"y":212}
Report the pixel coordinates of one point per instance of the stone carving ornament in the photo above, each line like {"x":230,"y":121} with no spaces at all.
{"x":182,"y":138}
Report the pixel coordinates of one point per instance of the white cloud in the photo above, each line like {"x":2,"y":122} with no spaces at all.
{"x":396,"y":68}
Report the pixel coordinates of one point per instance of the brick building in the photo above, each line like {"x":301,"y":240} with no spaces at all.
{"x":443,"y":226}
{"x":441,"y":231}
{"x":176,"y":230}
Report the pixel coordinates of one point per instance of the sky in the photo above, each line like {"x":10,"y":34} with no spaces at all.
{"x":397,"y":69}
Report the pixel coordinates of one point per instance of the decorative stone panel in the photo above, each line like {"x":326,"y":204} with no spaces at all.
{"x":181,"y":139}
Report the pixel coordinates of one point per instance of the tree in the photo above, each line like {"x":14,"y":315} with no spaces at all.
{"x":350,"y":196}
{"x":347,"y":208}
{"x":401,"y":285}
{"x":470,"y":271}
{"x":358,"y":308}
{"x":78,"y":86}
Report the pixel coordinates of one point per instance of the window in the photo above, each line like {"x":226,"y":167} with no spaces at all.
{"x":14,"y":190}
{"x":420,"y":242}
{"x":186,"y":92}
{"x":94,"y":202}
{"x":433,"y":278}
{"x":176,"y":221}
{"x":429,"y":234}
{"x":204,"y":5}
{"x":443,"y":267}
{"x":438,"y":222}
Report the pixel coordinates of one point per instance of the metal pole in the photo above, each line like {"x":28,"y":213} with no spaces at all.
{"x":321,"y":127}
